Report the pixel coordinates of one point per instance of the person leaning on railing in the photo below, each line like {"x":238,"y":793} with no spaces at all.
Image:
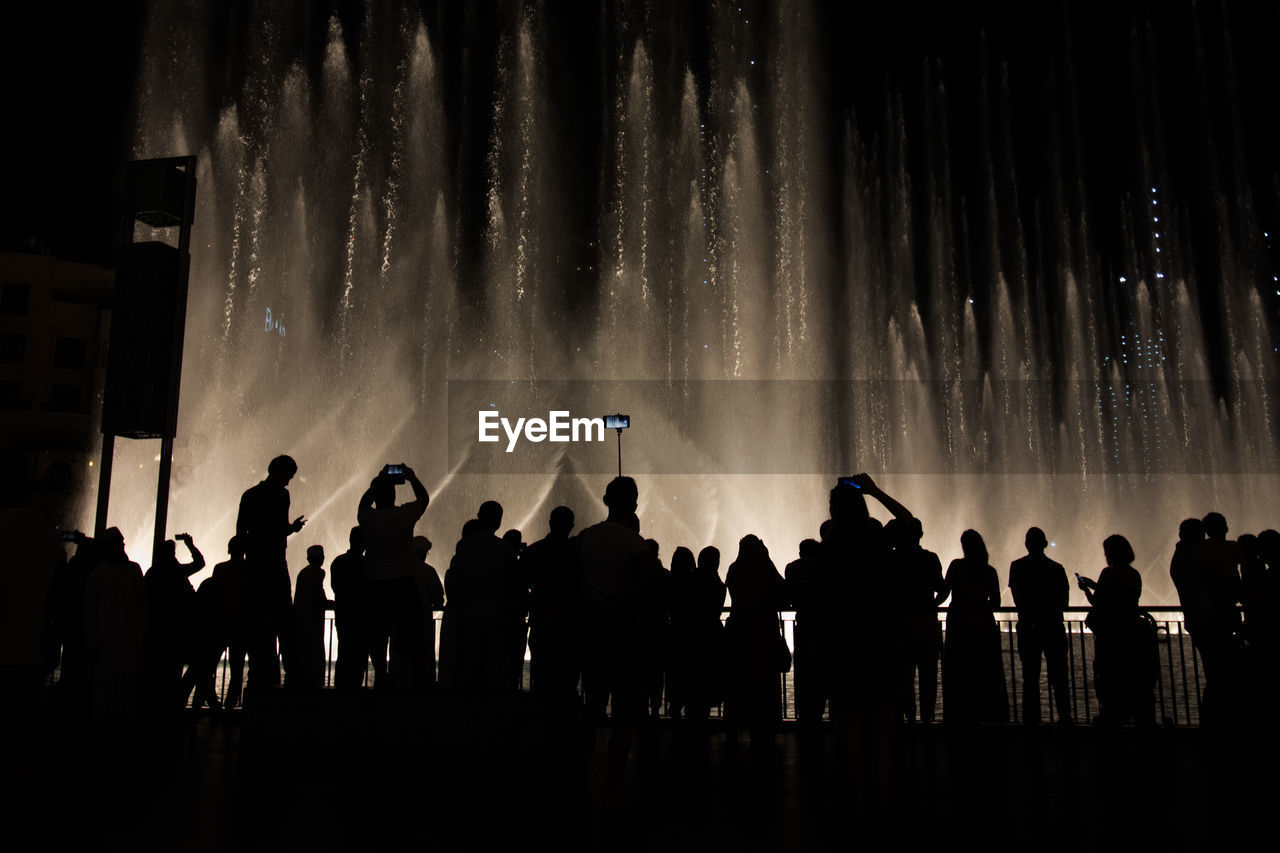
{"x":1123,"y":639}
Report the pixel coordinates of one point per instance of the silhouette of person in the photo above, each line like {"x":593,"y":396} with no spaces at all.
{"x":350,"y":602}
{"x":973,"y":688}
{"x":234,"y":615}
{"x":917,"y":573}
{"x":430,"y":599}
{"x":478,"y":621}
{"x":757,"y":653}
{"x":1218,"y":642}
{"x":551,"y":566}
{"x":1264,"y":619}
{"x":1040,"y":592}
{"x":115,"y":613}
{"x":33,"y":560}
{"x":73,"y":677}
{"x":1253,"y":572}
{"x":264,"y":528}
{"x":706,"y":641}
{"x":1123,"y":640}
{"x":654,"y":594}
{"x":615,"y":562}
{"x":684,"y":625}
{"x":859,"y":621}
{"x":170,"y":610}
{"x":517,"y":594}
{"x":393,"y":607}
{"x":309,"y":606}
{"x":803,"y":589}
{"x":207,"y":644}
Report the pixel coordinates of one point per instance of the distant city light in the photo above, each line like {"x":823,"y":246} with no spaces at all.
{"x":1123,"y":279}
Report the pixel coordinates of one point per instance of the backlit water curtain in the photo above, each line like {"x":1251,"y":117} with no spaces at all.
{"x":738,"y":230}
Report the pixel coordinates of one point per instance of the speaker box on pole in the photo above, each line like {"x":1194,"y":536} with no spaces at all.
{"x":150,"y":303}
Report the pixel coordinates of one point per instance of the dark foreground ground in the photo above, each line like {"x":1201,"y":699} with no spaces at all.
{"x":379,"y":773}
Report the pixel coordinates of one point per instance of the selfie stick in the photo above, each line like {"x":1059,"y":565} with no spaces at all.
{"x":619,"y":419}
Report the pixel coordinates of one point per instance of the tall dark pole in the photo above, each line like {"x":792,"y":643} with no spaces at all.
{"x":148,"y":319}
{"x":619,"y":453}
{"x":104,"y":484}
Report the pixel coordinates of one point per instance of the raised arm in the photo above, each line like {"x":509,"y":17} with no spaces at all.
{"x":869,"y":488}
{"x":366,"y":502}
{"x":419,"y":490}
{"x":197,"y":559}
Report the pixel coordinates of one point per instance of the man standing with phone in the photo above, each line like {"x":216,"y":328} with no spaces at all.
{"x":264,"y":529}
{"x":394,"y":613}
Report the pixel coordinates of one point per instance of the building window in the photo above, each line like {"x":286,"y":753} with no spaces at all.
{"x":65,"y":397}
{"x":10,"y":394}
{"x":13,"y":347}
{"x":68,"y":353}
{"x":14,"y":298}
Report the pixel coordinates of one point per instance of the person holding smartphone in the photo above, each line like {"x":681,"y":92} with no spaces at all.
{"x":390,"y":587}
{"x":263,"y":528}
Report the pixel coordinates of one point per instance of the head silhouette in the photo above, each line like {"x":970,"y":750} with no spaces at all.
{"x":751,"y":547}
{"x":1215,"y":526}
{"x":974,"y":549}
{"x":421,"y":548}
{"x":513,"y":538}
{"x":848,"y":506}
{"x":654,"y":547}
{"x":235,"y":548}
{"x":474,"y":527}
{"x":1118,"y":551}
{"x":490,"y":516}
{"x":893,"y":532}
{"x":682,"y":562}
{"x":709,"y":560}
{"x":315,"y":555}
{"x":384,"y":493}
{"x":561,"y":522}
{"x":112,"y":542}
{"x":356,"y":540}
{"x":810,"y":549}
{"x":281,"y":470}
{"x":1036,"y":541}
{"x":621,"y":496}
{"x":1191,"y":530}
{"x":1269,"y":541}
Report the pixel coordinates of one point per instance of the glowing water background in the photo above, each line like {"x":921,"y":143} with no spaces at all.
{"x":331,"y":300}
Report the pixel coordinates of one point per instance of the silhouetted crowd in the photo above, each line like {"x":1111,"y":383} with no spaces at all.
{"x":613,"y":633}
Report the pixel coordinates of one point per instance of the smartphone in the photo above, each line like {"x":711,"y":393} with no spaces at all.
{"x":394,"y":473}
{"x":68,"y":535}
{"x":617,"y":421}
{"x":850,"y":481}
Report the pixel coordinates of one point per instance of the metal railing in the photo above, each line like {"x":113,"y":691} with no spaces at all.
{"x":1177,"y":693}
